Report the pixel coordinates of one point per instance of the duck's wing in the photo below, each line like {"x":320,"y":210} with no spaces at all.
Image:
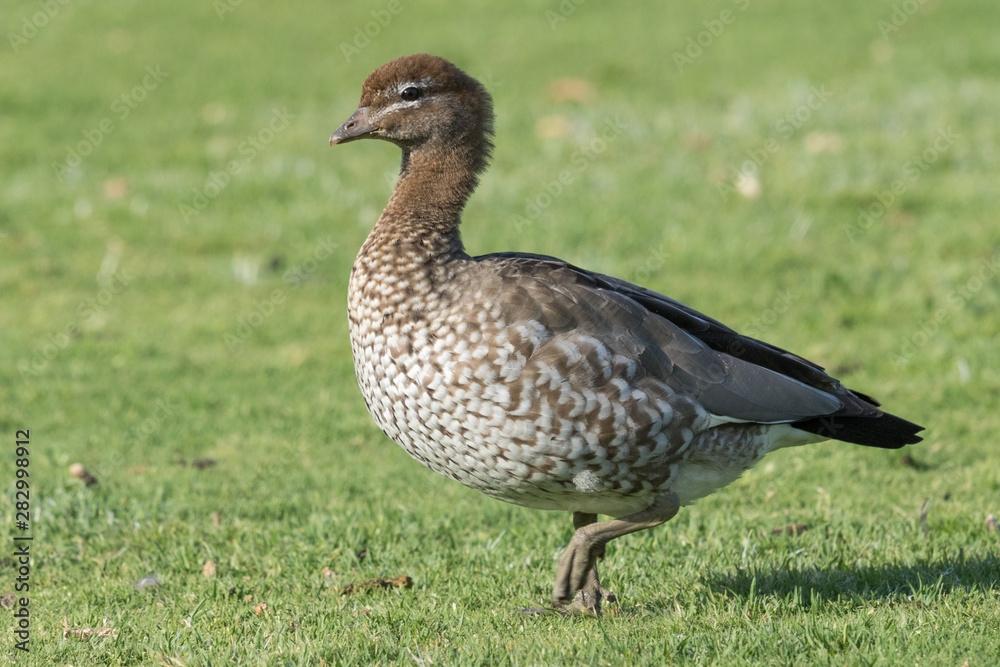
{"x":734,"y":377}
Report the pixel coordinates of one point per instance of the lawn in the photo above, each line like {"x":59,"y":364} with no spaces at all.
{"x":175,"y":242}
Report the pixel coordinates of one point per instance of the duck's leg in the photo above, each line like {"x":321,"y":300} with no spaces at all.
{"x":577,"y":584}
{"x":589,"y":597}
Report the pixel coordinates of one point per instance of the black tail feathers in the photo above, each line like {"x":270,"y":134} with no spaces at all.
{"x":879,"y":429}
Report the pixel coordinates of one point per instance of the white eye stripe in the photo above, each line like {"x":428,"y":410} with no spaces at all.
{"x":394,"y":93}
{"x":422,"y":84}
{"x":405,"y":104}
{"x":399,"y":105}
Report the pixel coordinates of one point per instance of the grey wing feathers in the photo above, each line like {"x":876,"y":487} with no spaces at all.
{"x":734,"y":376}
{"x":567,"y":299}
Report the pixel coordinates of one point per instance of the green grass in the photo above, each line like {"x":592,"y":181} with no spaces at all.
{"x":134,"y":376}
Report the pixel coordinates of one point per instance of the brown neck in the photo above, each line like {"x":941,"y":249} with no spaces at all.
{"x":433,"y":187}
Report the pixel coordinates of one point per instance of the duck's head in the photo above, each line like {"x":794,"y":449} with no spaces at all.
{"x":421,"y":101}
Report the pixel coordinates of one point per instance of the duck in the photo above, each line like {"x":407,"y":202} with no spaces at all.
{"x":542,"y":384}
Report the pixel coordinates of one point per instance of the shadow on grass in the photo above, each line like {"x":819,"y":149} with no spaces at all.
{"x":921,"y":580}
{"x":919,"y":584}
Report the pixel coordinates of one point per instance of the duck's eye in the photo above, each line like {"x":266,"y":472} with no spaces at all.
{"x":410,"y":93}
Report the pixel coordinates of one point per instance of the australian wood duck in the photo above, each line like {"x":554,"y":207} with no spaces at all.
{"x":540,"y":383}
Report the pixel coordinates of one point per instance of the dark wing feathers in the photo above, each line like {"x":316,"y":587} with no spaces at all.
{"x":732,"y":376}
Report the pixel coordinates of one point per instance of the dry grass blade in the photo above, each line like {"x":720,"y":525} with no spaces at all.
{"x":402,"y":581}
{"x":84,"y":634}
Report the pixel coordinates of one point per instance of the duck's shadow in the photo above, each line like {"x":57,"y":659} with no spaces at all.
{"x":919,"y":583}
{"x":924,"y":577}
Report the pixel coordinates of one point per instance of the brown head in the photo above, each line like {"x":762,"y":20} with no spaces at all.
{"x":422,"y":102}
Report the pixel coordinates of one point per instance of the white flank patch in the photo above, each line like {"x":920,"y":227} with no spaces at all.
{"x":586,"y":482}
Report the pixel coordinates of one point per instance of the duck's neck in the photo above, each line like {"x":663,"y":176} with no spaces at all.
{"x":425,"y":209}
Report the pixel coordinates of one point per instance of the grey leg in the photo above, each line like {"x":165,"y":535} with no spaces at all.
{"x":590,"y":596}
{"x":577,"y":585}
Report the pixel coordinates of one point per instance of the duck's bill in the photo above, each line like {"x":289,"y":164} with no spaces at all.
{"x":357,"y":126}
